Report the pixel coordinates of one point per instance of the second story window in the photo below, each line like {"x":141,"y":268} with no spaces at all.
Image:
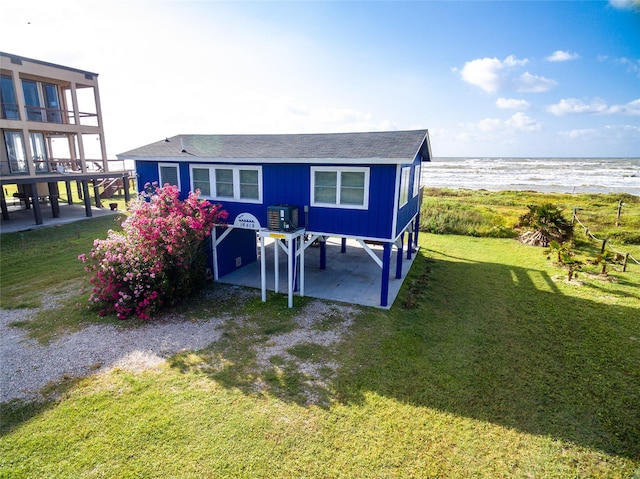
{"x":52,"y":103}
{"x":8,"y":99}
{"x":42,"y":101}
{"x":32,"y":100}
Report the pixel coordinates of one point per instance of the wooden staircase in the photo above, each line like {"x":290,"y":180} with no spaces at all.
{"x":110,"y":185}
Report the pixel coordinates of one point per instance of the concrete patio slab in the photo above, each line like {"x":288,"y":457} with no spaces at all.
{"x":351,"y":277}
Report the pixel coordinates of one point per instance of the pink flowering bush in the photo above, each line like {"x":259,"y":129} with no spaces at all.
{"x":157,"y":259}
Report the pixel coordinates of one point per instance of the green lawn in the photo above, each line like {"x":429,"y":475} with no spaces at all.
{"x":488,"y":365}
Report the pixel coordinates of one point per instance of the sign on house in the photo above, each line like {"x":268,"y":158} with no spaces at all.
{"x":246,"y":221}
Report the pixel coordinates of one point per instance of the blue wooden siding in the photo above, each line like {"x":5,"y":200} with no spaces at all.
{"x":147,"y":171}
{"x":238,"y":244}
{"x":408,"y":211}
{"x":376,"y":222}
{"x":290,"y":184}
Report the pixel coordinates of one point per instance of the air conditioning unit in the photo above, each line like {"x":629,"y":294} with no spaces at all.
{"x":282,"y":217}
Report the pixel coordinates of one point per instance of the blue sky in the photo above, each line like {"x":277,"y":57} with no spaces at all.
{"x":535,"y":78}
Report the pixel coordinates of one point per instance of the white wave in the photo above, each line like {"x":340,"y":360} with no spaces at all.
{"x":599,"y":175}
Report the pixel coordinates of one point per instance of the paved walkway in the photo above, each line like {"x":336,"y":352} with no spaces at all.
{"x":23,"y":220}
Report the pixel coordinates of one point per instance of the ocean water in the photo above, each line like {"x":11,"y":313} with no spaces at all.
{"x":558,"y":175}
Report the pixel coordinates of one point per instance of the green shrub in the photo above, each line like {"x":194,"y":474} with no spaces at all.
{"x":625,"y":237}
{"x":445,"y":217}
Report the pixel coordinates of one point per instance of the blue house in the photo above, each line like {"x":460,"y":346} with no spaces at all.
{"x":299,"y":189}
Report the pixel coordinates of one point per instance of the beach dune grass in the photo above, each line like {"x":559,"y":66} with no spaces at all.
{"x":489,"y":364}
{"x":494,"y":214}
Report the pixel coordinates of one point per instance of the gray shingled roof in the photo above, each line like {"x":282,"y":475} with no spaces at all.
{"x":372,"y":145}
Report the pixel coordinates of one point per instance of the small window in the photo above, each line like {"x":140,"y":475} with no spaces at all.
{"x":416,"y":180}
{"x":201,"y":181}
{"x":404,"y":186}
{"x":340,"y":187}
{"x":169,"y":173}
{"x":224,"y":183}
{"x":325,"y":187}
{"x":249,"y":185}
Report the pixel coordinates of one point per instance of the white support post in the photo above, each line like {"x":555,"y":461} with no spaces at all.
{"x":263,"y":270}
{"x":293,"y":246}
{"x":276,"y":264}
{"x":290,"y":271}
{"x":302,"y":248}
{"x":214,"y":253}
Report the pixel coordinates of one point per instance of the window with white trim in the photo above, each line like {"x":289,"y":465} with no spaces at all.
{"x":14,"y":141}
{"x":416,"y":180}
{"x":169,"y":173}
{"x":229,"y":182}
{"x":340,"y":187}
{"x":404,"y":186}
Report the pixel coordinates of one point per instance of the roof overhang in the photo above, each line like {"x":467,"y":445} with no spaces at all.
{"x":272,"y":161}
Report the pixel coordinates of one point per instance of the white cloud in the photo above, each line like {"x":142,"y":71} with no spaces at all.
{"x":512,"y":104}
{"x":518,"y":122}
{"x":578,"y":133}
{"x":625,"y":4}
{"x":631,"y":108}
{"x":609,"y":133}
{"x":491,"y":124}
{"x":534,"y":83}
{"x":489,"y":73}
{"x":633,"y":66}
{"x":522,"y":122}
{"x":569,"y":106}
{"x":562,"y":56}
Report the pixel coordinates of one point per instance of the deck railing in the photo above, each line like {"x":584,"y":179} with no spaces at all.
{"x":54,"y":165}
{"x":10,"y":111}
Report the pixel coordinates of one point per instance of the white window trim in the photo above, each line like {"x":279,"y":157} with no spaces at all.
{"x":417,"y":172}
{"x":169,"y":165}
{"x":405,"y":176}
{"x":236,"y":181}
{"x":340,"y":170}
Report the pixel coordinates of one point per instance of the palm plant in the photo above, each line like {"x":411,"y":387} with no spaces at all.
{"x":545,"y":223}
{"x":560,"y":250}
{"x":565,"y":256}
{"x":603,"y":259}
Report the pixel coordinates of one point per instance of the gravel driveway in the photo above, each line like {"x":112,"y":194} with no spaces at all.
{"x":26,"y":366}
